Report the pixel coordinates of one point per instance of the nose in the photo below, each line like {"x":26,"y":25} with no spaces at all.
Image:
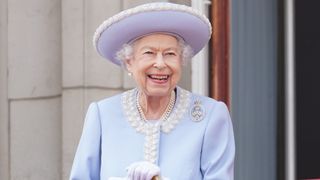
{"x":159,"y":63}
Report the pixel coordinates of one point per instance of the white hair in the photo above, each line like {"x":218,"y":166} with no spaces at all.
{"x":126,"y":52}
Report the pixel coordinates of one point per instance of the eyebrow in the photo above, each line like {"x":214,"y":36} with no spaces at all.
{"x":150,"y":47}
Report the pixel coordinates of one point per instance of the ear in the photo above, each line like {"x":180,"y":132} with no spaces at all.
{"x":128,"y":64}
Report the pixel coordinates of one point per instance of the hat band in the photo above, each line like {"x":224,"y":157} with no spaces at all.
{"x":160,"y":32}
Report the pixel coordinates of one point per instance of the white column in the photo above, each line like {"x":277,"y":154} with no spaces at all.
{"x":200,"y":63}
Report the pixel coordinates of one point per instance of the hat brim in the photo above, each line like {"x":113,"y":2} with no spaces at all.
{"x":192,"y":29}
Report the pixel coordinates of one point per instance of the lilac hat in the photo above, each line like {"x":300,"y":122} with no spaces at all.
{"x":189,"y":24}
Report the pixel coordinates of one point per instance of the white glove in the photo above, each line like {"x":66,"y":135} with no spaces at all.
{"x":142,"y":170}
{"x":126,"y":178}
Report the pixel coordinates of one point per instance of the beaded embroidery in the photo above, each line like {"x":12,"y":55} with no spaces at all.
{"x":152,"y":130}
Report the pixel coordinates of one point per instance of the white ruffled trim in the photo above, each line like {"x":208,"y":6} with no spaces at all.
{"x":141,"y":126}
{"x":160,"y":6}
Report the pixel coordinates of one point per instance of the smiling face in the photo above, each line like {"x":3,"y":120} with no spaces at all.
{"x":156,"y":64}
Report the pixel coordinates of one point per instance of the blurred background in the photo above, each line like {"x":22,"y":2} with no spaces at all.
{"x":49,"y":73}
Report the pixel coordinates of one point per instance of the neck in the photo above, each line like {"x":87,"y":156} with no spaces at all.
{"x":154,"y":107}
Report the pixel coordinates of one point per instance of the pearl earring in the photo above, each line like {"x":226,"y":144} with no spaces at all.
{"x":129,"y":73}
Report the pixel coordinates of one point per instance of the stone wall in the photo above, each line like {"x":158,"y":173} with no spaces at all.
{"x":30,"y":89}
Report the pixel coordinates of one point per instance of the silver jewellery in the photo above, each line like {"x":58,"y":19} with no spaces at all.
{"x":166,"y":113}
{"x":174,"y":112}
{"x":197,"y":112}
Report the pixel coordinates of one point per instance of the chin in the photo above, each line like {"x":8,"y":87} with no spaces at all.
{"x":159,"y":91}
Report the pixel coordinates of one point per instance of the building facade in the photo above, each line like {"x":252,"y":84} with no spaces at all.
{"x":49,"y":73}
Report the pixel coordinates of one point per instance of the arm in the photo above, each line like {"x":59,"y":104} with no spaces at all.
{"x":86,"y":164}
{"x":218,"y":149}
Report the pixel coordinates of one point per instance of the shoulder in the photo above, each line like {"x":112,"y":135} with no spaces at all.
{"x":203,"y":107}
{"x":109,"y":100}
{"x":111,"y":106}
{"x":114,"y":100}
{"x":208,"y":103}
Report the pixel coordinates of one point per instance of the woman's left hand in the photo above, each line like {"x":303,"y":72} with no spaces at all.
{"x":143,"y":170}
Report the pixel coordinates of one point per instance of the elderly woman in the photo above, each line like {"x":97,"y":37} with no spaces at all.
{"x":157,"y":130}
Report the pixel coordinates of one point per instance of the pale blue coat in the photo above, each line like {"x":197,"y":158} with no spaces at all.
{"x":191,"y":151}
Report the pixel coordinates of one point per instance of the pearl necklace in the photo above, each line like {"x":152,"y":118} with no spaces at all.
{"x":168,"y":121}
{"x":166,"y":113}
{"x":180,"y":107}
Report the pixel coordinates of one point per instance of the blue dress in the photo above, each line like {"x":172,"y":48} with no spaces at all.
{"x":196,"y":142}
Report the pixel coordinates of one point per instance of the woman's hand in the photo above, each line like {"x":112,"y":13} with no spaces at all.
{"x":126,"y":178}
{"x":143,"y":170}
